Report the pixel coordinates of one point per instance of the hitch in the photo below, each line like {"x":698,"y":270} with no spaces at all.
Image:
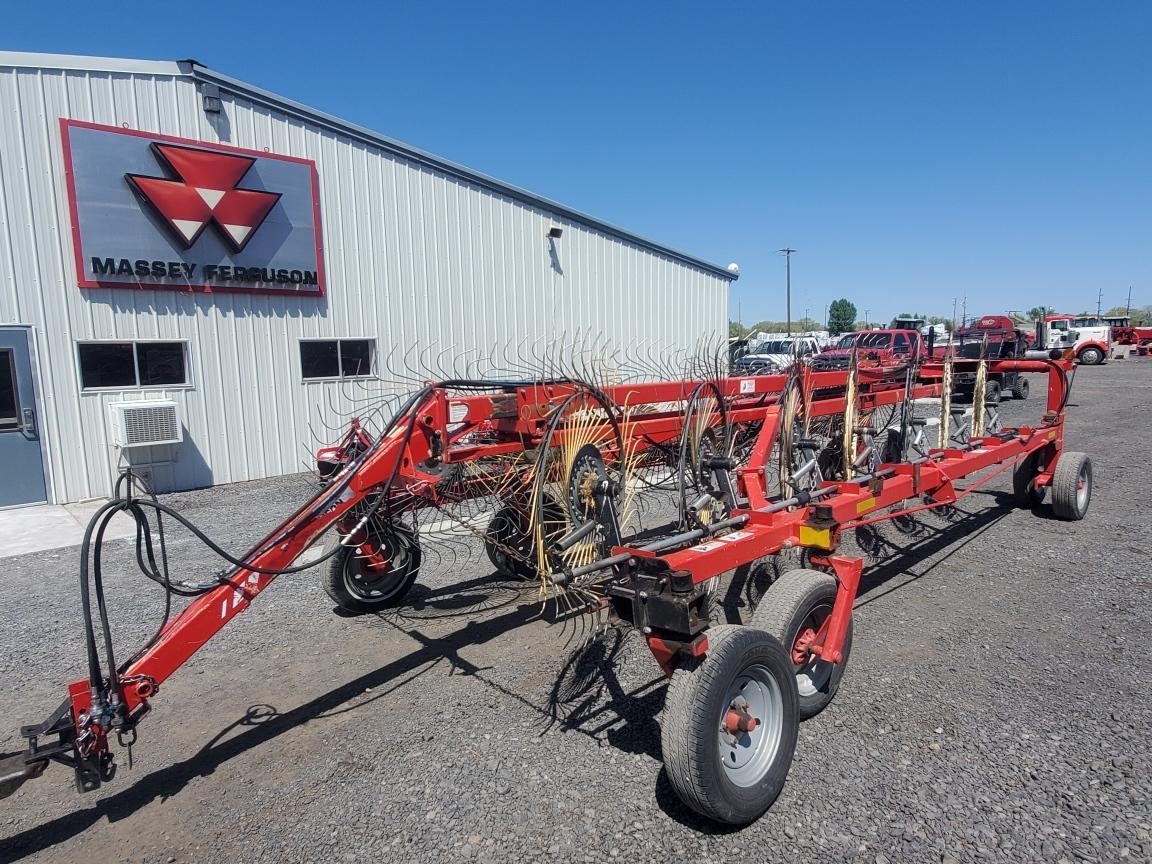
{"x":16,"y":770}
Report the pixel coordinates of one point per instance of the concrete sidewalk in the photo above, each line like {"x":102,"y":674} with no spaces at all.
{"x":54,"y":526}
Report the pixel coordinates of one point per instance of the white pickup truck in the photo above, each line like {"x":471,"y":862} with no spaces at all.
{"x":773,"y":355}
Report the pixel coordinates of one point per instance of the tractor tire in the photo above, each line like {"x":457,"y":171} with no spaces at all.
{"x":793,"y":610}
{"x":1024,"y":493}
{"x":356,"y":589}
{"x":731,"y":777}
{"x":1090,"y":356}
{"x":1072,"y":486}
{"x":992,"y":392}
{"x":1020,"y":390}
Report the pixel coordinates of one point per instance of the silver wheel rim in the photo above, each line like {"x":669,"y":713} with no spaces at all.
{"x":747,"y":756}
{"x":814,"y":677}
{"x":1083,"y":488}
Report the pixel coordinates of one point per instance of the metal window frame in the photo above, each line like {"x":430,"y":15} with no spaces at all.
{"x":371,"y":340}
{"x":15,"y":390}
{"x":189,"y":382}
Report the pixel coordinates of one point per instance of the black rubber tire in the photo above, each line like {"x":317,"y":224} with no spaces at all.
{"x":1020,"y":390}
{"x":508,"y":529}
{"x":342,"y":579}
{"x":693,"y":712}
{"x":1090,"y":356}
{"x":783,"y":611}
{"x":1024,"y":494}
{"x":992,"y":392}
{"x":1069,"y":501}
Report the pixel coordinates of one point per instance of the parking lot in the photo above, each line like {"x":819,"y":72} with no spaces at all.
{"x":997,"y":703}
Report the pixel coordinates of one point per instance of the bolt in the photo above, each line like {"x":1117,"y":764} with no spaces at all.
{"x":646,"y":630}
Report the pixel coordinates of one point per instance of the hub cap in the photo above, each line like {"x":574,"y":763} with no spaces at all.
{"x":750,"y":726}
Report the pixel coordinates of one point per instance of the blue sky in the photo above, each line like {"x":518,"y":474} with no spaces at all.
{"x":913,"y":152}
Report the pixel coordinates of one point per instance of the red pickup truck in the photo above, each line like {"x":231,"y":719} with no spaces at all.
{"x":873,"y":347}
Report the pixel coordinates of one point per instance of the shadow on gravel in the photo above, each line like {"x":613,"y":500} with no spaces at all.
{"x":588,"y":696}
{"x":262,"y":723}
{"x":922,"y":541}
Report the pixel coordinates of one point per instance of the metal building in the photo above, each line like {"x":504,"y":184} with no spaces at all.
{"x":192,"y":269}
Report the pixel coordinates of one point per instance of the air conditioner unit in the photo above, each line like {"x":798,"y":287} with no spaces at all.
{"x":139,"y":424}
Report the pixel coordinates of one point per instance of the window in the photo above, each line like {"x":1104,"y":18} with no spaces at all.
{"x":336,"y":358}
{"x":9,"y":395}
{"x":874,"y":340}
{"x":901,"y":346}
{"x":131,"y":364}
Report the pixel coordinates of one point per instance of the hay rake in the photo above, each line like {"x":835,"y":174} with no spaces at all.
{"x":551,"y":472}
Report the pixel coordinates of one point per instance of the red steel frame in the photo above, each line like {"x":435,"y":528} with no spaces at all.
{"x":441,"y":425}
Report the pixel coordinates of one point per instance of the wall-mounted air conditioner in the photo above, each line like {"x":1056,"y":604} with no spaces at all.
{"x":139,"y":424}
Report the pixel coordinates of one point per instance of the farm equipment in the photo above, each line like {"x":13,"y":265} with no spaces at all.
{"x":756,"y":465}
{"x":993,"y":336}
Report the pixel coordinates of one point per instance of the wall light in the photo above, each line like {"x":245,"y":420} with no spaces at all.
{"x":555,"y":233}
{"x":211,"y":96}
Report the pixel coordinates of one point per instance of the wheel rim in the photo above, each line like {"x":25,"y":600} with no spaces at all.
{"x":374,"y":586}
{"x":748,"y":755}
{"x":812,"y":672}
{"x":1083,"y":487}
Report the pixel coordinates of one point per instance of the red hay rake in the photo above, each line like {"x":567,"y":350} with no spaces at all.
{"x":756,"y":466}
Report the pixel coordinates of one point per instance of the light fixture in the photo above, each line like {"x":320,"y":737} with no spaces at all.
{"x":210,"y":93}
{"x":555,"y":233}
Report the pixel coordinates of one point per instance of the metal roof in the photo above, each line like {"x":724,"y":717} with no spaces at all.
{"x":201,"y":73}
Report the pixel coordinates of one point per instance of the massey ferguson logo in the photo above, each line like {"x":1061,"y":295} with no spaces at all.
{"x":163,"y":213}
{"x":207,"y":192}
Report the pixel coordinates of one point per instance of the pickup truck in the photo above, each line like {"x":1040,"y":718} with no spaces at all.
{"x":773,"y":355}
{"x":873,"y":347}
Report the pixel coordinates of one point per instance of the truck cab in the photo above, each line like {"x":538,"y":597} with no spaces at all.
{"x":1088,"y":338}
{"x":873,"y":348}
{"x":773,"y":355}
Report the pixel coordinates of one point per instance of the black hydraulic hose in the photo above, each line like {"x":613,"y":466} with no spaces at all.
{"x":94,"y":677}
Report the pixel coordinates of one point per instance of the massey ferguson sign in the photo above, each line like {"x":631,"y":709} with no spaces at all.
{"x":151,"y":211}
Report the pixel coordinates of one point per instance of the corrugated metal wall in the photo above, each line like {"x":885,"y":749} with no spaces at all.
{"x":415,"y":258}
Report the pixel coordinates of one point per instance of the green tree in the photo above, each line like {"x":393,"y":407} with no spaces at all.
{"x":841,"y":315}
{"x":737,"y":330}
{"x":1036,"y":313}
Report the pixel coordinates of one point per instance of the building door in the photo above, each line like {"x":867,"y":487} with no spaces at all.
{"x":21,"y":459}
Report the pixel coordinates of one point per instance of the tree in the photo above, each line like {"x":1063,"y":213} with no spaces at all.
{"x":841,"y":315}
{"x":737,"y":330}
{"x":1036,"y":313}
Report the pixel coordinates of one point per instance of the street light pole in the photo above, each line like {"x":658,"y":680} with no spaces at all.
{"x":787,"y":253}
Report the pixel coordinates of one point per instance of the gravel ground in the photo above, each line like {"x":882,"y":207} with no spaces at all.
{"x":997,"y":704}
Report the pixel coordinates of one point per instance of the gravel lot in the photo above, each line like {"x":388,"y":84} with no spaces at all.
{"x":997,"y":705}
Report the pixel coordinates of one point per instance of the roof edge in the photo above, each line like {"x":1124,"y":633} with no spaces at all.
{"x":375,"y":139}
{"x":33,"y":60}
{"x":198,"y":72}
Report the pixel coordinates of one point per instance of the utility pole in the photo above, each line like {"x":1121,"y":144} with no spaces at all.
{"x":1099,"y":301}
{"x":964,"y":313}
{"x":866,"y":327}
{"x":787,"y":253}
{"x":1128,"y":305}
